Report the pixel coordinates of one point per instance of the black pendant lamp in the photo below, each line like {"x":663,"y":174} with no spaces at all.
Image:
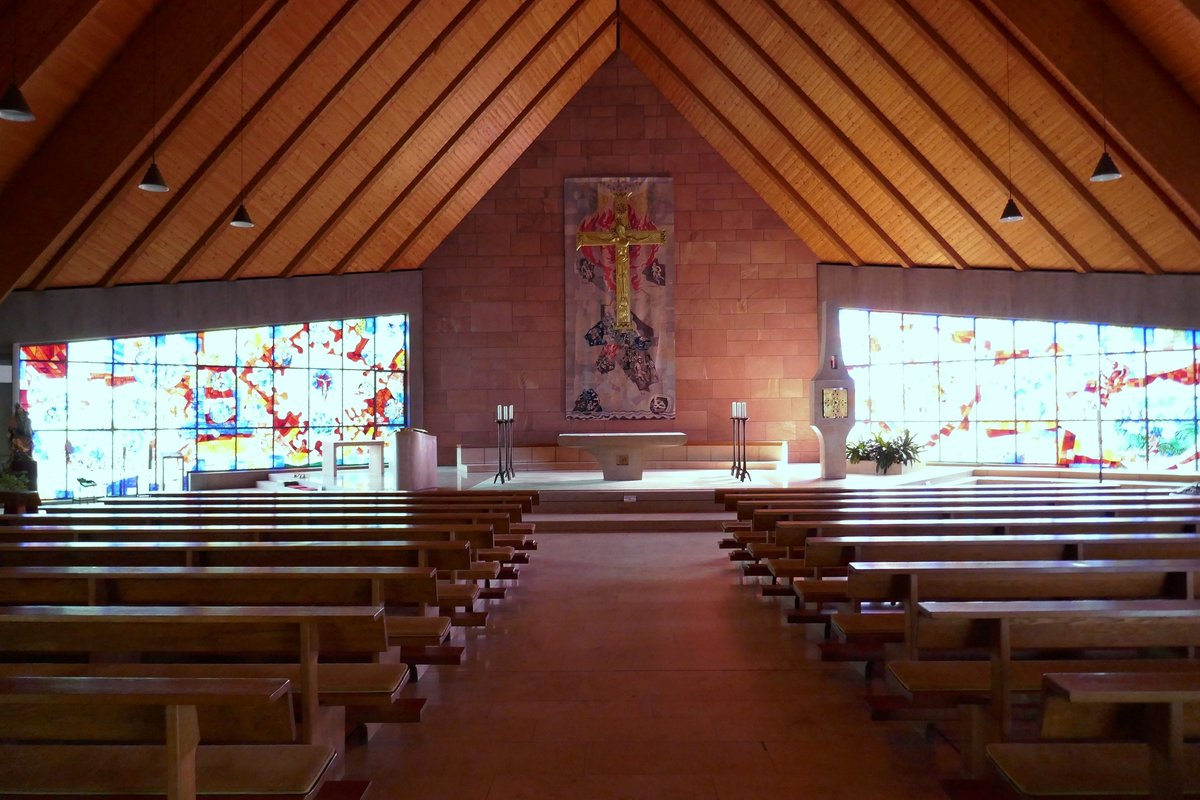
{"x":153,"y":181}
{"x":13,"y":106}
{"x":1010,"y":213}
{"x":1106,"y":169}
{"x":241,"y":217}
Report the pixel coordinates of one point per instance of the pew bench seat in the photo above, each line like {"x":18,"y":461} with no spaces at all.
{"x":875,"y":626}
{"x":789,"y":568}
{"x":479,"y":571}
{"x":1066,"y":769}
{"x":821,"y":590}
{"x":422,"y":631}
{"x":223,"y":772}
{"x":502,"y":555}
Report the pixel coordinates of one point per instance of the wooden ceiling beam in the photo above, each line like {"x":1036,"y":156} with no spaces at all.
{"x":100,"y":139}
{"x":284,"y":150}
{"x":1072,"y":256}
{"x":831,"y":129}
{"x":79,"y":233}
{"x":469,"y":66}
{"x":40,"y":33}
{"x":763,"y":164}
{"x":868,"y":107}
{"x":519,"y":120}
{"x":1145,"y":108}
{"x":275,"y":225}
{"x":138,"y":246}
{"x":1133,"y":166}
{"x":1076,"y":183}
{"x":501,"y":87}
{"x":831,"y":183}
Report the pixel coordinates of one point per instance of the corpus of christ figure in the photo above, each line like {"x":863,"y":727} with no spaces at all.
{"x":621,"y":238}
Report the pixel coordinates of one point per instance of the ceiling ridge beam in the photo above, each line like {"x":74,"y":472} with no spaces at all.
{"x":268,"y":169}
{"x":141,"y":242}
{"x":450,"y":142}
{"x":1147,"y":262}
{"x":782,"y":130}
{"x":826,"y":228}
{"x":97,"y":147}
{"x":897,"y":137}
{"x":517,"y":121}
{"x":987,"y":10}
{"x":1068,"y":251}
{"x":368,"y":181}
{"x":832,"y":129}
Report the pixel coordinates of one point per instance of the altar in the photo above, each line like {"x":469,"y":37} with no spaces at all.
{"x":622,"y":456}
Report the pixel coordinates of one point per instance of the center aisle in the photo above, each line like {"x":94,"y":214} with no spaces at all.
{"x":635,"y":666}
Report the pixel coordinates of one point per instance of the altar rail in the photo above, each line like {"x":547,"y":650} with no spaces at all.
{"x":761,"y":456}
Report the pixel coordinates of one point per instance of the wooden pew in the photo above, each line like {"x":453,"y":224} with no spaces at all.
{"x":746,"y":507}
{"x":380,"y":500}
{"x":1120,"y":756}
{"x":298,"y":633}
{"x":500,"y":522}
{"x":765,"y":520}
{"x":422,"y":639}
{"x":729,"y":498}
{"x":100,"y":711}
{"x":1007,"y":629}
{"x":826,"y":552}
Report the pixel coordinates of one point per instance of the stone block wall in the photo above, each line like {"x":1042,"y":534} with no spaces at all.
{"x":746,"y":293}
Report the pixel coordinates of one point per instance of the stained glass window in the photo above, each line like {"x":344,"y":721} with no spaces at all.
{"x":1027,"y":391}
{"x":122,"y":412}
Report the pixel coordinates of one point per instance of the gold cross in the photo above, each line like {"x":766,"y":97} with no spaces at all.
{"x":621,"y":237}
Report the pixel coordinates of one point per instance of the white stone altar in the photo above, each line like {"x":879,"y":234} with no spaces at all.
{"x":329,"y":467}
{"x":622,"y":456}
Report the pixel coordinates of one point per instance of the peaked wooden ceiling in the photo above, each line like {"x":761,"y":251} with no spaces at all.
{"x":363,"y":131}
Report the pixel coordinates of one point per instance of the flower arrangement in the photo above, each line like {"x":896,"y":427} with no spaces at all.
{"x":885,"y":453}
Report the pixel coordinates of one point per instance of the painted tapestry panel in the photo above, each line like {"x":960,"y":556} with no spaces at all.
{"x":613,"y":370}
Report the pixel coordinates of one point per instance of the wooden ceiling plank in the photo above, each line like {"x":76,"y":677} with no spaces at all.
{"x":501,"y":87}
{"x":1076,"y":183}
{"x":1147,"y":111}
{"x":833,"y":130}
{"x":766,"y":166}
{"x":781,"y":129}
{"x":898,"y":73}
{"x":103,"y":135}
{"x":305,"y":126}
{"x":356,"y":194}
{"x":897,"y":137}
{"x":988,"y":12}
{"x":499,"y":140}
{"x":275,"y":225}
{"x":137,"y":248}
{"x":71,"y":244}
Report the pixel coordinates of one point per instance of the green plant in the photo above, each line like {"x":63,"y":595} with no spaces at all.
{"x":885,"y":453}
{"x":13,"y":481}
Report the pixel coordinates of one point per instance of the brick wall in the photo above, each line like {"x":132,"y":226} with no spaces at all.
{"x":745,"y":293}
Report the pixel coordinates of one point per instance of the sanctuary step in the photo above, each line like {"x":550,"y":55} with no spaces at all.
{"x":628,"y":512}
{"x":762,"y":456}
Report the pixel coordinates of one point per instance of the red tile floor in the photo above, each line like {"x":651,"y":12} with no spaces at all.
{"x":635,"y":666}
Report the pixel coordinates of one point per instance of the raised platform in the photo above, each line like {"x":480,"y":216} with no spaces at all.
{"x":762,"y":457}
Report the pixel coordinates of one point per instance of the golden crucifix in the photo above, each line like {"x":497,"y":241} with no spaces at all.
{"x":621,"y":237}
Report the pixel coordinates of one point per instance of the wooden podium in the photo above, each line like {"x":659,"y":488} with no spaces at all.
{"x":416,"y":459}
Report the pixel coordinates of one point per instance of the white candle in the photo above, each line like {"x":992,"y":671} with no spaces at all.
{"x":733,"y":409}
{"x":498,"y":417}
{"x":511,"y":413}
{"x":742,"y":410}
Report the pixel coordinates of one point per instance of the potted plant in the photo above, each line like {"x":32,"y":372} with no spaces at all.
{"x":883,"y":453}
{"x":18,"y":479}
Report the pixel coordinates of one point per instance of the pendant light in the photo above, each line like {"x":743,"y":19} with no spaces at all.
{"x":13,"y":106}
{"x":1010,"y":213}
{"x":153,"y":180}
{"x":241,"y":217}
{"x":1106,"y":169}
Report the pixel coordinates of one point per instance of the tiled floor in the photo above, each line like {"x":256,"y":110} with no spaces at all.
{"x":634,"y":666}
